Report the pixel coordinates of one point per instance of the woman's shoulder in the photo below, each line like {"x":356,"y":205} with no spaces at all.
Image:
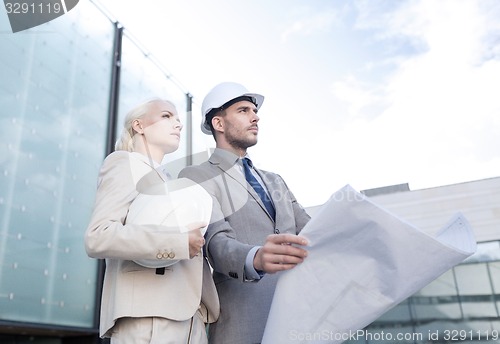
{"x":117,"y":156}
{"x":123,"y":157}
{"x":125,"y":165}
{"x":120,"y":162}
{"x":132,"y":163}
{"x":114,"y":164}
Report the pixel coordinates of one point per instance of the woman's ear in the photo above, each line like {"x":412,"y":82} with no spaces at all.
{"x":137,"y":127}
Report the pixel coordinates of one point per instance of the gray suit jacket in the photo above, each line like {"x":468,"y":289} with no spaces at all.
{"x":240,"y":222}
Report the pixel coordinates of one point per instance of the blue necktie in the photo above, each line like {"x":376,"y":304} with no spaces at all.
{"x":247,"y":164}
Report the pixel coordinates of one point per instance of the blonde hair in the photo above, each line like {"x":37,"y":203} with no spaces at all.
{"x":126,"y":142}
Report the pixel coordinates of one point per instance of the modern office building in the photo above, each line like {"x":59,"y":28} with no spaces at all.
{"x":64,"y":88}
{"x":463,"y":304}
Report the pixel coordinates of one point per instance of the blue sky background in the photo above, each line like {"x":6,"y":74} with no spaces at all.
{"x":367,"y":93}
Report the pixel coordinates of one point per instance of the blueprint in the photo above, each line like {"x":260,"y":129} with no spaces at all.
{"x":362,"y":261}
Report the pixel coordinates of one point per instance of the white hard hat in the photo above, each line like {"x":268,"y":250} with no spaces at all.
{"x":222,"y":94}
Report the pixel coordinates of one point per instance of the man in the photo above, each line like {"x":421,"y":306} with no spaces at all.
{"x":255,"y":218}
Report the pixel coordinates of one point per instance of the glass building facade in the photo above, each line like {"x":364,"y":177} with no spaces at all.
{"x":462,"y":305}
{"x":64,"y":87}
{"x":55,"y":88}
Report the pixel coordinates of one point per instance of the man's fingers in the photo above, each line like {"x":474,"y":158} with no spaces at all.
{"x":280,"y":253}
{"x":287,"y":239}
{"x":275,"y":267}
{"x":274,"y":258}
{"x":284,"y":247}
{"x":274,"y":262}
{"x":289,"y":250}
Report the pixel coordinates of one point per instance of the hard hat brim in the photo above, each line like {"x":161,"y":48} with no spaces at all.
{"x":259,"y":99}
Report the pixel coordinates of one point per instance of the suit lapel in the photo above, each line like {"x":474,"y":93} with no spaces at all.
{"x":228,"y":164}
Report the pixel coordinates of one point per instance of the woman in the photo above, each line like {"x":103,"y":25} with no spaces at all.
{"x":141,"y":304}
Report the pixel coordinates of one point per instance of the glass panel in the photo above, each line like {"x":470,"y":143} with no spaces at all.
{"x":480,"y":309}
{"x":141,"y":79}
{"x":444,"y":285}
{"x":473,"y":279}
{"x":53,"y":117}
{"x":485,"y":252}
{"x":437,"y":311}
{"x":475,"y":288}
{"x":400,"y":313}
{"x":201,"y":141}
{"x":494,"y":269}
{"x":437,"y":300}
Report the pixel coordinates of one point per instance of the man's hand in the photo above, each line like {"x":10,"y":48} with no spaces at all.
{"x":196,"y":240}
{"x":278,"y":254}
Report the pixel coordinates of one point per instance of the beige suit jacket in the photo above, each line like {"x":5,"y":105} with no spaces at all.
{"x":131,"y":290}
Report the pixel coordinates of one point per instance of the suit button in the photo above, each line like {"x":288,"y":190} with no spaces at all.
{"x":171,"y":255}
{"x":165,"y":255}
{"x":159,"y":255}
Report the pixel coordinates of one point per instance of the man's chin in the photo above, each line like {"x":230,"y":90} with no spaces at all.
{"x":252,"y":142}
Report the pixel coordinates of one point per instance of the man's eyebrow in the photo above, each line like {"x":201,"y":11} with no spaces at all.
{"x":243,"y":107}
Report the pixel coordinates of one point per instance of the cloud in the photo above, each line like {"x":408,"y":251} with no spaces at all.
{"x":364,"y":98}
{"x":417,"y":79}
{"x":311,"y":24}
{"x":453,"y":76}
{"x":433,"y":118}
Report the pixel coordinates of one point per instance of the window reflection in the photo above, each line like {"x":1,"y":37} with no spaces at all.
{"x":466,"y":297}
{"x":55,"y":87}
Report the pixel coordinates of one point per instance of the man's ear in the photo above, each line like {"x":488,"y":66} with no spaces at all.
{"x":218,"y":123}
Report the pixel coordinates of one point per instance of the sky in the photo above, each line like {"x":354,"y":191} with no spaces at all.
{"x":368,"y":93}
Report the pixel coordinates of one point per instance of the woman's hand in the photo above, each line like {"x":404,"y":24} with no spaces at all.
{"x":196,"y":240}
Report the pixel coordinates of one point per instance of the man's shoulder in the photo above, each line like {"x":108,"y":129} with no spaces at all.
{"x":197,"y":172}
{"x":269,"y":173}
{"x":204,"y":166}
